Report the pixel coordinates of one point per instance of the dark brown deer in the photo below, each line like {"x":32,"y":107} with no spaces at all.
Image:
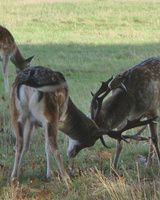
{"x":40,"y":96}
{"x":10,"y":51}
{"x":136,"y":92}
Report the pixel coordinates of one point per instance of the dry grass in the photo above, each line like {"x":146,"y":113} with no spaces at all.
{"x":91,"y":184}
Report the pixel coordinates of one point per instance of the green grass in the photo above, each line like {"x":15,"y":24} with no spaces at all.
{"x":88,"y":41}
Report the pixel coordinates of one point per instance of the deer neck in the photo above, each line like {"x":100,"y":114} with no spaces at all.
{"x":115,"y":110}
{"x":76,"y":125}
{"x":18,"y":59}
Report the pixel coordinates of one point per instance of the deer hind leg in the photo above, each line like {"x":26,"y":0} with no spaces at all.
{"x":49,"y":158}
{"x":22,"y":145}
{"x":119,"y":147}
{"x":18,"y":129}
{"x":5,"y":73}
{"x":26,"y":141}
{"x":154,"y":143}
{"x":51,"y":145}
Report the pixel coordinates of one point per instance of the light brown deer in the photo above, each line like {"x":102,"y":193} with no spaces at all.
{"x":10,"y":51}
{"x":40,"y":96}
{"x":136,"y":92}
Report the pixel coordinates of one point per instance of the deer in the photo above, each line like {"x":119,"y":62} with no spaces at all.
{"x":40,"y":96}
{"x":10,"y":51}
{"x":135,"y":93}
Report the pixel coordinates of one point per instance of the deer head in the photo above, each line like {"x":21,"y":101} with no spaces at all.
{"x":25,"y":63}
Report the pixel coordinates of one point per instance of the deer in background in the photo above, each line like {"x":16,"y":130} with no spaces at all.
{"x":136,"y":93}
{"x":10,"y":51}
{"x":39,"y":96}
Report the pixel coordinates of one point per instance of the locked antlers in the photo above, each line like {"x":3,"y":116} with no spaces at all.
{"x":96,"y":103}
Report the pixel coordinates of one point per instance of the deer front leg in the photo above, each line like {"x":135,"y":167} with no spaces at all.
{"x":119,"y":147}
{"x":5,"y":73}
{"x":51,"y":144}
{"x":154,"y":141}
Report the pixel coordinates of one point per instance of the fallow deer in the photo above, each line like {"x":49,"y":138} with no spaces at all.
{"x":136,"y":92}
{"x":10,"y":51}
{"x":40,"y":96}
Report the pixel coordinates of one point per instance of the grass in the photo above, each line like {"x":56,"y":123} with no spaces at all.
{"x":87,"y":41}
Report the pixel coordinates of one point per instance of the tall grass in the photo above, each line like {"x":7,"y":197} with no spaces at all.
{"x":87,"y":41}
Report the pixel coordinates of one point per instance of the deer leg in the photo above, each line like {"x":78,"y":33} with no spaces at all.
{"x":119,"y":147}
{"x":49,"y":158}
{"x":26,"y":141}
{"x":5,"y":73}
{"x":51,"y":141}
{"x":150,"y":155}
{"x":19,"y":146}
{"x":154,"y":141}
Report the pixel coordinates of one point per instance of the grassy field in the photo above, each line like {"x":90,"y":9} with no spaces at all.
{"x":88,"y":41}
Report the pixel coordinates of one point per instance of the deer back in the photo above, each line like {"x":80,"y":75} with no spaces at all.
{"x":28,"y":101}
{"x":143,"y":82}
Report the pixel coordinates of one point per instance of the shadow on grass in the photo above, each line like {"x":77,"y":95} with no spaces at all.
{"x":84,"y":58}
{"x":85,"y":65}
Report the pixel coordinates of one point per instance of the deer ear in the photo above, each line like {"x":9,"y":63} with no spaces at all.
{"x":29,"y":59}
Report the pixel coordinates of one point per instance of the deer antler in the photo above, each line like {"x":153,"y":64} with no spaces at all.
{"x":131,"y":124}
{"x":103,"y":142}
{"x":96,"y":102}
{"x":137,"y":136}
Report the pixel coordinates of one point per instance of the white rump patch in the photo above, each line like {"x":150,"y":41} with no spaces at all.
{"x":29,"y":103}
